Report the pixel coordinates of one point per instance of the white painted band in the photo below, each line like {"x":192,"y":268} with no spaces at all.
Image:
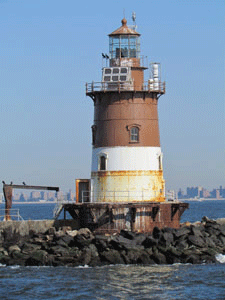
{"x":128,"y":158}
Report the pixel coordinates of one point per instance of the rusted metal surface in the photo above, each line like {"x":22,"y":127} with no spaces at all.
{"x":128,"y":186}
{"x":137,"y":217}
{"x":82,"y":185}
{"x":124,"y":30}
{"x":8,"y":192}
{"x":114,"y":113}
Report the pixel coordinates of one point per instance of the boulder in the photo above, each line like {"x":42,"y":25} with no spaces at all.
{"x":72,"y":233}
{"x":193,"y":259}
{"x":139,"y":238}
{"x":156,"y":233}
{"x":135,"y":256}
{"x":196,"y":240}
{"x":158,"y":257}
{"x":166,"y":239}
{"x":196,"y":231}
{"x":75,"y":252}
{"x":221,"y":237}
{"x":3,"y":251}
{"x":102,"y":243}
{"x":111,"y":257}
{"x":80,"y":241}
{"x":149,"y":242}
{"x":183,"y":231}
{"x":13,"y":248}
{"x":37,"y":258}
{"x":51,"y":231}
{"x":181,"y":245}
{"x":128,"y":234}
{"x":59,"y":251}
{"x":121,"y":243}
{"x":86,"y":233}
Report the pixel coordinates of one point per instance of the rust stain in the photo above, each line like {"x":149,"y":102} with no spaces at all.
{"x":128,"y":186}
{"x":129,"y":173}
{"x":137,"y":217}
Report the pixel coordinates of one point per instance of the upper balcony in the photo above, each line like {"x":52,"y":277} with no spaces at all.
{"x":125,"y":86}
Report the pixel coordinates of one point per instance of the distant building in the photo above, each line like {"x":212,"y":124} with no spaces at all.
{"x":35,"y":195}
{"x":192,"y":192}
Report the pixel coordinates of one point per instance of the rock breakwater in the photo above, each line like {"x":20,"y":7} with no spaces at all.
{"x":192,"y":243}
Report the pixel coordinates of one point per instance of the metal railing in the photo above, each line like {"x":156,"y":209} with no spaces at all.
{"x":62,"y":199}
{"x":122,"y":196}
{"x":13,"y":213}
{"x":119,"y":86}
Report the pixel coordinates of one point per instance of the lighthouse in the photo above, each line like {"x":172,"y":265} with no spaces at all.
{"x":126,"y":189}
{"x":126,"y":155}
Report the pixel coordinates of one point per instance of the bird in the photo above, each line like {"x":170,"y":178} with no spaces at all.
{"x":3,"y":181}
{"x":107,"y":57}
{"x":103,"y":55}
{"x":24,"y":183}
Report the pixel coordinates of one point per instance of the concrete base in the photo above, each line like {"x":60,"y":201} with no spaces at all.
{"x":137,"y":217}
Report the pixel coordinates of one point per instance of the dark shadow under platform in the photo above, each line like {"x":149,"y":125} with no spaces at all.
{"x":137,"y":217}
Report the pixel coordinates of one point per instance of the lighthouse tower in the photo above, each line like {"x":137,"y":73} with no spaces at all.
{"x":126,"y":156}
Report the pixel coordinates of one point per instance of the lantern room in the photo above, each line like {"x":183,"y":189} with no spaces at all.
{"x":124,"y":43}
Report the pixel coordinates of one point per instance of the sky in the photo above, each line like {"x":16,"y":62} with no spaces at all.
{"x":49,"y":49}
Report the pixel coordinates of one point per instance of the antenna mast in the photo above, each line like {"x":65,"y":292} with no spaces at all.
{"x":134,"y":20}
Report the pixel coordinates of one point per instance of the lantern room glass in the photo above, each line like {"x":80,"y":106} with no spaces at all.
{"x":121,"y":46}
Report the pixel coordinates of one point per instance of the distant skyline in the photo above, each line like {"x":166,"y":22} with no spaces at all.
{"x":50,"y":49}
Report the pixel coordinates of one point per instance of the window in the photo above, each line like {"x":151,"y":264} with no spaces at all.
{"x":134,"y":134}
{"x":94,"y":127}
{"x":102,"y":163}
{"x":160,"y":162}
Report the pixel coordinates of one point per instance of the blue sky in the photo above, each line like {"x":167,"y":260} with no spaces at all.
{"x":50,"y":48}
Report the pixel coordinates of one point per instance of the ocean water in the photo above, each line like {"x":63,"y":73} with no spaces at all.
{"x":176,"y":281}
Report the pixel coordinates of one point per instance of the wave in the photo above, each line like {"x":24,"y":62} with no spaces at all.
{"x":220,"y":258}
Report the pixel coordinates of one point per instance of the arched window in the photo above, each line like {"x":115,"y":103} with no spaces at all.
{"x":102,"y":162}
{"x":134,"y":134}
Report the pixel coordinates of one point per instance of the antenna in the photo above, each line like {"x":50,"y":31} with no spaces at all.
{"x":134,"y":17}
{"x":124,"y":13}
{"x":134,"y":26}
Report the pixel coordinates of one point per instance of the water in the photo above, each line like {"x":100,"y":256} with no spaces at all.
{"x":212,"y":209}
{"x":117,"y":282}
{"x":114,"y":282}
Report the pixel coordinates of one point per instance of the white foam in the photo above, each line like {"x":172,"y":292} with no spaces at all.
{"x":15,"y":267}
{"x":220,"y":258}
{"x":85,"y":266}
{"x":1,"y":265}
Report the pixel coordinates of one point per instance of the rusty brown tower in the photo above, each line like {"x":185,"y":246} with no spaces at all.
{"x":126,"y":156}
